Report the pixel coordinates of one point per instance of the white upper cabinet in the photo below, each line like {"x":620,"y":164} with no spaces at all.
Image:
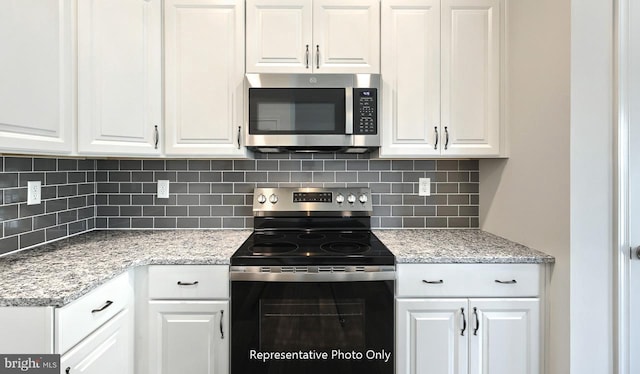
{"x":410,"y":77}
{"x":204,"y":78}
{"x":313,"y":36}
{"x":279,"y":36}
{"x":119,"y":77}
{"x":346,"y":35}
{"x":37,"y":76}
{"x":441,"y":85}
{"x":471,"y":77}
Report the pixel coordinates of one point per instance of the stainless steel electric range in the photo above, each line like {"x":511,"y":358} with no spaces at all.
{"x":312,"y":287}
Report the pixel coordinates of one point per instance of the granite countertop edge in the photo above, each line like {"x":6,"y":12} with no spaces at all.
{"x":410,"y":246}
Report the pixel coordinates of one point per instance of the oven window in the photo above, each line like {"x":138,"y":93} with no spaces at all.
{"x":290,"y":325}
{"x":296,"y":110}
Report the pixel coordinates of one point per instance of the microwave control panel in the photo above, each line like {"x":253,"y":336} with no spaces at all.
{"x":365,"y":111}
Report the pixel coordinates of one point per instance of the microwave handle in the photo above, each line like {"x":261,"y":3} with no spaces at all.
{"x":348,"y":110}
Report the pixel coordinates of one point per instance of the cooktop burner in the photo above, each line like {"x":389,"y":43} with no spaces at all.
{"x":272,"y":248}
{"x":345,"y":247}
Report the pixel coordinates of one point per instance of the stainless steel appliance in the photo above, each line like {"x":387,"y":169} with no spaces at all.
{"x":313,"y":113}
{"x":312,"y":287}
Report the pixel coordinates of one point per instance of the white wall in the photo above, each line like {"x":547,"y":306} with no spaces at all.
{"x":554,"y":193}
{"x":526,"y":198}
{"x":592,"y":228}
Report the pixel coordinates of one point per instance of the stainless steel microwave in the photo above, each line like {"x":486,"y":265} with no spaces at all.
{"x":312,"y":113}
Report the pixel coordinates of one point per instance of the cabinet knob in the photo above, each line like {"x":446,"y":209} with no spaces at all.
{"x":67,"y":370}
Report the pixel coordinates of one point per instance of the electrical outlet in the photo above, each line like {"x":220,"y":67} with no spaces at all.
{"x":34,"y":194}
{"x":163,"y":189}
{"x":424,"y":185}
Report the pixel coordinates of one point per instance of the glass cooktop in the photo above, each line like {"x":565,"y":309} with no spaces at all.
{"x":266,"y":248}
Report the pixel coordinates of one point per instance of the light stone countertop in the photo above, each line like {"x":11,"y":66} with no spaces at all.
{"x":440,"y":246}
{"x":56,"y":274}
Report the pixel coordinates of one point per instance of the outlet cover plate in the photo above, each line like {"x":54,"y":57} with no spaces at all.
{"x":34,"y":192}
{"x":424,"y":185}
{"x":163,"y":189}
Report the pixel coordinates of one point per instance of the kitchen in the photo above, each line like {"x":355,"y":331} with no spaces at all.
{"x":562,"y":142}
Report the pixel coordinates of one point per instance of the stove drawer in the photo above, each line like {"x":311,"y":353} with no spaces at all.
{"x":189,"y":282}
{"x":469,"y":280}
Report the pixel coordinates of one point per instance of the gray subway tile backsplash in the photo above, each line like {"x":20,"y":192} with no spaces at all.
{"x":80,"y":195}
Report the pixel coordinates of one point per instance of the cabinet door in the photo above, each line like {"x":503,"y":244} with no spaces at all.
{"x":507,"y":336}
{"x":119,"y":76}
{"x":279,"y":36}
{"x":37,"y":76}
{"x":189,"y":337}
{"x":106,"y":351}
{"x":431,"y":336}
{"x":471,"y":37}
{"x":346,"y":36}
{"x":204,"y":75}
{"x":410,"y":78}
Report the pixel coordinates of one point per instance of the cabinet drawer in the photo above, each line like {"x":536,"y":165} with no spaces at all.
{"x":77,"y":320}
{"x":469,"y":280}
{"x":189,"y":282}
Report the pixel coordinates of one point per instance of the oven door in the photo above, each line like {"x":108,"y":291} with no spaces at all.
{"x":312,"y":327}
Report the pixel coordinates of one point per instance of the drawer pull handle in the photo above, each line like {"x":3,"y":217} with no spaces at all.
{"x":513,"y":281}
{"x":440,"y":281}
{"x":181,"y":283}
{"x":221,"y":330}
{"x":475,"y":313}
{"x":464,"y":322}
{"x":105,"y":306}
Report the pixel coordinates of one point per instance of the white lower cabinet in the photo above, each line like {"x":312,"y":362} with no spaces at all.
{"x":95,"y":333}
{"x":108,"y":350}
{"x":506,"y":336}
{"x":187,"y":320}
{"x":189,"y":337}
{"x":475,"y":336}
{"x":494,"y":333}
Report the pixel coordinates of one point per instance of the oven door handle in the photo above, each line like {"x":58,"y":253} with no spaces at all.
{"x":264,"y":274}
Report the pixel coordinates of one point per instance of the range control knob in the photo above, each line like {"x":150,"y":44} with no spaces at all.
{"x":351,"y":198}
{"x":340,"y":198}
{"x":363,"y":198}
{"x":273,"y":198}
{"x":262,"y":199}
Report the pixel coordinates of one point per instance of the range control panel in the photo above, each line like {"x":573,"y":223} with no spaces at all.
{"x":365,"y":111}
{"x":292,"y":199}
